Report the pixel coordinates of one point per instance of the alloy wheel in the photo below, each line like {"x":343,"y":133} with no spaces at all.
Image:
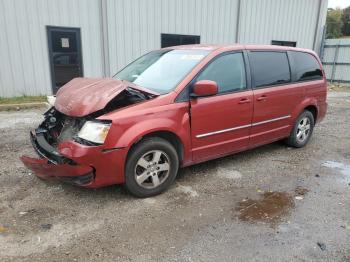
{"x":303,"y":130}
{"x":152,"y":169}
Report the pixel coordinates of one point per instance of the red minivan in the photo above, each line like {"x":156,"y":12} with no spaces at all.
{"x":175,"y":107}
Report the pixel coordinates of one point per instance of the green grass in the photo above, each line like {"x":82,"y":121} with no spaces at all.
{"x":22,"y":99}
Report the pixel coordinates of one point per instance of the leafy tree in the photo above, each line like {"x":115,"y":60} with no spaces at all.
{"x":345,"y":19}
{"x":334,"y":23}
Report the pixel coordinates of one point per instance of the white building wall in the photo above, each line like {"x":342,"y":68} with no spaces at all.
{"x":320,"y":30}
{"x":135,"y":27}
{"x":287,"y":20}
{"x":24,"y":61}
{"x":115,"y":32}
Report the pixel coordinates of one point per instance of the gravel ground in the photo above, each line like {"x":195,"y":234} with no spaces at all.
{"x":301,"y":200}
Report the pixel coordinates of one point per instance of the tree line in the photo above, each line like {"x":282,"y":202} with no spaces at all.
{"x":338,"y":22}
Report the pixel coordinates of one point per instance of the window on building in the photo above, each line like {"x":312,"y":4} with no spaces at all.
{"x":284,"y":43}
{"x":306,"y":67}
{"x":269,"y":68}
{"x":228,"y":71}
{"x":172,"y":40}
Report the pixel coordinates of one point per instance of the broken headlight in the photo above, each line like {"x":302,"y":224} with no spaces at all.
{"x":95,"y":132}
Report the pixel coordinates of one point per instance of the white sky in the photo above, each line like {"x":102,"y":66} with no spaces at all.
{"x":338,"y":3}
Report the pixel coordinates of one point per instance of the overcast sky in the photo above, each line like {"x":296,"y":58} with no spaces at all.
{"x":338,"y":3}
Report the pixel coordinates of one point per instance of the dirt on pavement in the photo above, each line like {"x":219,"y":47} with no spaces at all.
{"x":198,"y":218}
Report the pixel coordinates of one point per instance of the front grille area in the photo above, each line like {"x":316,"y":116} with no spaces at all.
{"x":70,"y":128}
{"x":58,"y":127}
{"x":47,"y":151}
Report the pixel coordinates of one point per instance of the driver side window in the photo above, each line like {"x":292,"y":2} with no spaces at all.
{"x":228,"y":71}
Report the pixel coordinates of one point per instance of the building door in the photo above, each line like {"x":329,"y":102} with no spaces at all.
{"x":173,"y":39}
{"x":65,"y":55}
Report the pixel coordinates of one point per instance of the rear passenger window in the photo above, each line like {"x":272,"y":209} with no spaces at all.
{"x":306,"y":67}
{"x":227,"y":71}
{"x":269,"y":68}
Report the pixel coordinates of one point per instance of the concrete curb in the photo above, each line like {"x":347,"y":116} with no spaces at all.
{"x":11,"y":107}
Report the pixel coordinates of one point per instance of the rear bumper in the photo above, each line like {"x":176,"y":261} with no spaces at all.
{"x":86,"y":166}
{"x":322,"y":110}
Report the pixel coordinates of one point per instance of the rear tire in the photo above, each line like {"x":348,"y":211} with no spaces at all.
{"x":151,"y":167}
{"x":302,"y":130}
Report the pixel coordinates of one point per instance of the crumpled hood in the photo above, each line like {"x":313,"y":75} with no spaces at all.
{"x":83,"y":96}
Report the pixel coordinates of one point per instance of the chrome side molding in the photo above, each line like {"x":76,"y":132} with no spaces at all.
{"x":271,"y":120}
{"x":241,"y":127}
{"x":222,"y":131}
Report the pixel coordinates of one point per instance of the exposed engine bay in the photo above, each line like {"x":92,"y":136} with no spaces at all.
{"x":58,"y":127}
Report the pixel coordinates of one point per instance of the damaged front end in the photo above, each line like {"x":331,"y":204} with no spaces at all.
{"x":67,"y":149}
{"x":54,"y":131}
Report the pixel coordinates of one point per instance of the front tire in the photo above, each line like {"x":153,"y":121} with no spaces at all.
{"x":302,"y":130}
{"x":151,"y":167}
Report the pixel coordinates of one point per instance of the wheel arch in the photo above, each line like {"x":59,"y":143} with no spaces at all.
{"x":314,"y":111}
{"x":309,"y":104}
{"x":167,"y":135}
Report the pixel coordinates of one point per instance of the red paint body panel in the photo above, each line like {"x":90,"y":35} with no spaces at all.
{"x":46,"y":170}
{"x":205,"y":88}
{"x":222,"y":112}
{"x":273,"y":103}
{"x":83,"y":96}
{"x":108,"y":166}
{"x":322,"y":110}
{"x":133,"y":124}
{"x":240,"y":116}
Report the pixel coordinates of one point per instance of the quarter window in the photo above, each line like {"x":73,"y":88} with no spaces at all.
{"x":269,"y":68}
{"x":228,"y":71}
{"x":306,"y":67}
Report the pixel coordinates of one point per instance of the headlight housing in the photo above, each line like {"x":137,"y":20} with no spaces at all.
{"x":94,"y":131}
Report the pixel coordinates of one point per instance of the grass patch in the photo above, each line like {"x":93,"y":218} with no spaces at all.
{"x":22,"y":99}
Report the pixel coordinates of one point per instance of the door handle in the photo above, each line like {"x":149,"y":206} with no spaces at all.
{"x":261,"y":98}
{"x":244,"y":101}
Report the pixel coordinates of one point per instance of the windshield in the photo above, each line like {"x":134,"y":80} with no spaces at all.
{"x":161,"y":71}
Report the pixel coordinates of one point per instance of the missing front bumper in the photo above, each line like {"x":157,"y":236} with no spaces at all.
{"x":97,"y":164}
{"x":78,"y":175}
{"x":52,"y":165}
{"x":45,"y":150}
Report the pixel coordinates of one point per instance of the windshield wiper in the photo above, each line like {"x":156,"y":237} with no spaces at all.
{"x":146,"y":93}
{"x":137,"y":93}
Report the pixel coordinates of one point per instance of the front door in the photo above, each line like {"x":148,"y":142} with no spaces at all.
{"x":65,"y":55}
{"x":221,"y":124}
{"x":275,"y":96}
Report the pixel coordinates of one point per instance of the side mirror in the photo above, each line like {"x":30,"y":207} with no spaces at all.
{"x":204,"y":88}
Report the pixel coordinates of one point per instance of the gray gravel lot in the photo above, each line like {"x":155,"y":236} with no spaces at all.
{"x":197,"y":218}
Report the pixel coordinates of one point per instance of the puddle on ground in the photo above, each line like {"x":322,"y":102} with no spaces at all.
{"x":342,"y":168}
{"x":269,"y":208}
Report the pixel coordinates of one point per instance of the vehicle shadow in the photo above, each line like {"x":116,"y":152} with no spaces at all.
{"x":233,"y":159}
{"x":120,"y":193}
